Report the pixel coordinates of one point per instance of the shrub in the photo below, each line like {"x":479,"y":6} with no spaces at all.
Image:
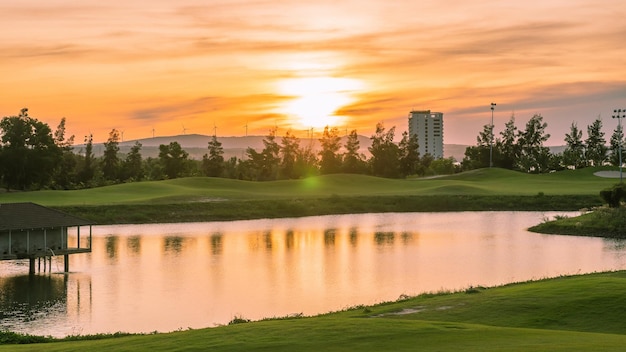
{"x":614,"y":195}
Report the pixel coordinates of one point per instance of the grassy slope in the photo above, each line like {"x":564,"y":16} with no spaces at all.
{"x":203,"y":189}
{"x":580,"y":313}
{"x":603,"y":222}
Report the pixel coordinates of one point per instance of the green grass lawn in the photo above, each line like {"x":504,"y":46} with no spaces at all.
{"x":212,"y":199}
{"x":486,"y":182}
{"x":578,"y":313}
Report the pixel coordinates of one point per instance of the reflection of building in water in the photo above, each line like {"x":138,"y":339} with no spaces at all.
{"x":31,"y":231}
{"x":32,"y":303}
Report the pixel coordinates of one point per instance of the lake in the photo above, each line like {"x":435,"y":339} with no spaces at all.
{"x":165,"y":277}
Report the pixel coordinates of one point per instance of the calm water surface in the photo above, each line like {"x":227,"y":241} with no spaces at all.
{"x":145,"y":278}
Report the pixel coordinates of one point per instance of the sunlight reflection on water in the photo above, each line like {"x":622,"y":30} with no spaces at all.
{"x":163,"y":277}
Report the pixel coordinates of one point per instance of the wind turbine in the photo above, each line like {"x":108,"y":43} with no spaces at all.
{"x":184,"y":129}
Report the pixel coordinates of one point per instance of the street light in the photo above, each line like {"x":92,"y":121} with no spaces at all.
{"x":619,"y":114}
{"x":493,"y":105}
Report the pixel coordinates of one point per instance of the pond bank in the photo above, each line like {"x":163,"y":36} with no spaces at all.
{"x":603,"y":222}
{"x":296,"y":207}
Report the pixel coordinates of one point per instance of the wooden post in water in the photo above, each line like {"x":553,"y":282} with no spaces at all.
{"x":66,"y":263}
{"x":31,"y":267}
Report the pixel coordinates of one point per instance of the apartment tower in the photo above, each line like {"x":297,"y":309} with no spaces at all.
{"x":428,"y":127}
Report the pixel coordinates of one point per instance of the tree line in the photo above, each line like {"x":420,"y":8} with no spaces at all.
{"x":33,"y":156}
{"x":524,"y":150}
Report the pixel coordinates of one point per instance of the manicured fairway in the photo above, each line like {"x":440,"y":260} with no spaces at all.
{"x":486,"y":182}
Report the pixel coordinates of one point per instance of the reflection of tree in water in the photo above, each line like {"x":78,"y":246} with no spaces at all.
{"x":173,"y":244}
{"x":614,"y":245}
{"x":384,"y":238}
{"x":354,"y":236}
{"x":111,"y":246}
{"x":290,"y":239}
{"x":267,"y":239}
{"x":27,"y":298}
{"x":216,"y":243}
{"x":329,"y":237}
{"x":134,"y":244}
{"x":406,"y":237}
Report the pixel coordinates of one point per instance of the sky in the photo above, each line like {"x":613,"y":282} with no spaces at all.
{"x":229,"y":67}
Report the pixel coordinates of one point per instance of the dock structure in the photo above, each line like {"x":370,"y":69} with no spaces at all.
{"x":34,"y":232}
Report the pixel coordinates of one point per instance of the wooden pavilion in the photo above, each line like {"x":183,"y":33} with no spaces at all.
{"x":31,"y":231}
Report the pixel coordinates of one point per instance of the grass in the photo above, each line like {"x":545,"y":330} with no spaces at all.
{"x":603,"y":222}
{"x":577,"y":313}
{"x":208,"y":199}
{"x":484,"y":182}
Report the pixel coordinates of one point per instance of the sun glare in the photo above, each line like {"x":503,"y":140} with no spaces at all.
{"x":317,"y":99}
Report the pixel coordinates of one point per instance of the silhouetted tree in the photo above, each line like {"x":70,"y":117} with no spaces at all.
{"x":173,"y":159}
{"x":65,"y":174}
{"x":110,"y":159}
{"x":506,"y":147}
{"x":617,"y":140}
{"x":330,"y":159}
{"x":29,"y":154}
{"x":87,"y":169}
{"x":478,"y":156}
{"x":384,"y":161}
{"x":213,"y":163}
{"x":534,"y":157}
{"x":596,"y":149}
{"x":408,"y":152}
{"x":574,"y":153}
{"x":353,"y":161}
{"x":133,"y":164}
{"x":289,"y":156}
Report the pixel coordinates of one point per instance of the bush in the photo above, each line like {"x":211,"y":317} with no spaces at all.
{"x":614,"y":195}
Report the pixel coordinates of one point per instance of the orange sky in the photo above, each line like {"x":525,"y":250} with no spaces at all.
{"x":190,"y":64}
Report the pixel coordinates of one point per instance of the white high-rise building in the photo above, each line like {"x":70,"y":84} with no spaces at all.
{"x":428,"y":127}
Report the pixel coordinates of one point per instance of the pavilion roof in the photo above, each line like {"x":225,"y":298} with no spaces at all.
{"x":26,"y":216}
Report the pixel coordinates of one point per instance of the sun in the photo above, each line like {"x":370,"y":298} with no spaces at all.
{"x":316,"y":100}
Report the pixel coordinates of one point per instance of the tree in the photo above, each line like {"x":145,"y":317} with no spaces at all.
{"x":306,"y":163}
{"x":443,"y":166}
{"x":65,"y":173}
{"x":477,"y":157}
{"x":173,"y":159}
{"x":353,"y":162}
{"x":534,"y":157}
{"x":409,"y":155}
{"x":133,"y":164}
{"x":507,"y":148}
{"x":574,"y":153}
{"x":87,"y":170}
{"x":330,"y":160}
{"x":110,"y":160}
{"x":289,"y":156}
{"x":29,"y":155}
{"x":213,"y":163}
{"x":617,"y":141}
{"x":263,"y":166}
{"x":384,"y":161}
{"x":596,"y":149}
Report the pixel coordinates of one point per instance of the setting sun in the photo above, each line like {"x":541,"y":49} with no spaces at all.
{"x":316,"y":100}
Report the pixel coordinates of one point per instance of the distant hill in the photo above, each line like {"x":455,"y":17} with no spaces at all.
{"x":197,"y":145}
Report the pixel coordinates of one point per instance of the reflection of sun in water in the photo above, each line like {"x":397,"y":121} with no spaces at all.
{"x":317,"y":99}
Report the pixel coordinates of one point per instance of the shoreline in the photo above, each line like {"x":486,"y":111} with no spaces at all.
{"x":300,"y":207}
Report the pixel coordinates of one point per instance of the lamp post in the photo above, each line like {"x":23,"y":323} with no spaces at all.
{"x":493,"y":106}
{"x":619,"y":114}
